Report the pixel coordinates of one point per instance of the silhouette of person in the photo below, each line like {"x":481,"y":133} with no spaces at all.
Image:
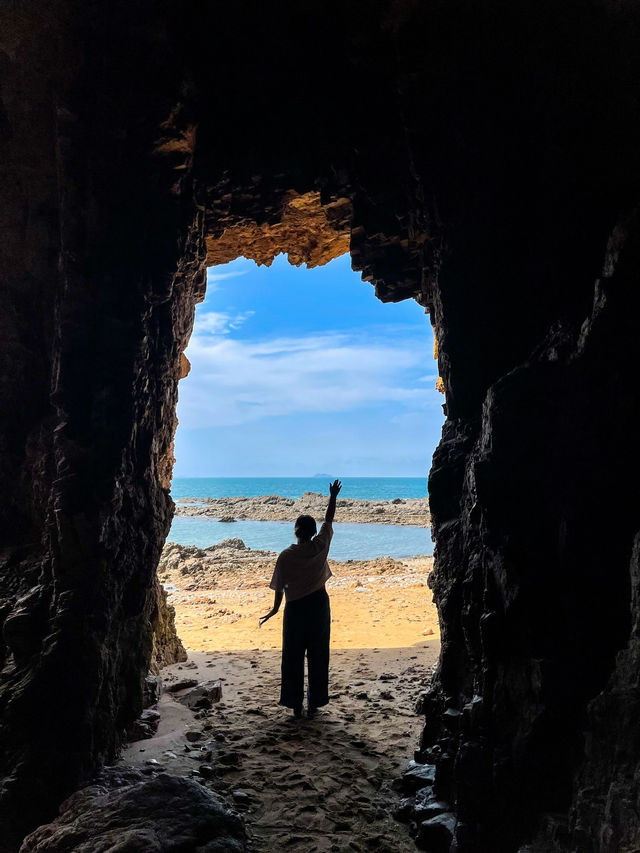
{"x":300,"y":574}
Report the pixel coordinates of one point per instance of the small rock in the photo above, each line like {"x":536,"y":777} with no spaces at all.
{"x":144,"y":727}
{"x":403,"y":811}
{"x":241,"y":798}
{"x":193,"y":735}
{"x":386,"y":694}
{"x":436,"y":834}
{"x":418,"y":776}
{"x":152,"y":690}
{"x":182,"y":684}
{"x":202,"y":696}
{"x":226,"y":519}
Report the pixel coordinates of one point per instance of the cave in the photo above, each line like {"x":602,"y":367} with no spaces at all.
{"x":480,"y":158}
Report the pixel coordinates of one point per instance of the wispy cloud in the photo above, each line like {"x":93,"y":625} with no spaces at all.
{"x":219,"y":323}
{"x":236,"y":381}
{"x":214,"y":277}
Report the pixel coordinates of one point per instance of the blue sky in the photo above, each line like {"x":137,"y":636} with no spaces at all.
{"x":296,"y":372}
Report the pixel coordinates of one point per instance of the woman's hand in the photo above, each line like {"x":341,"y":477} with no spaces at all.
{"x":334,"y":488}
{"x":263,"y":619}
{"x":277,"y":601}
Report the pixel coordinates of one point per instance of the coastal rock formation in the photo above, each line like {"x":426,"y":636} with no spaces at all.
{"x":128,"y":809}
{"x":483,"y":159}
{"x":305,"y":229}
{"x":180,"y":561}
{"x":167,"y":647}
{"x":413,"y":511}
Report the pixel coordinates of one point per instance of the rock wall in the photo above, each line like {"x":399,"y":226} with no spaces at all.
{"x":98,"y":264}
{"x":481,"y":158}
{"x":535,"y":517}
{"x":167,"y":646}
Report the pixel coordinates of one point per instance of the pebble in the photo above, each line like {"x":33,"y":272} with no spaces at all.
{"x":240,"y":797}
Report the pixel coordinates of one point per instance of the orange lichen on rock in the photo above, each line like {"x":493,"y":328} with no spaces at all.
{"x":304,"y":233}
{"x":439,"y":381}
{"x":185,"y":366}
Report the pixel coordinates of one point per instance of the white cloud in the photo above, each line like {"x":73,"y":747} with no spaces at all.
{"x":236,"y":381}
{"x":214,"y":277}
{"x":219,"y":323}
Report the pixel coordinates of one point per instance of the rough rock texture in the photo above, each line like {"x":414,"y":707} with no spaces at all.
{"x":480,"y":156}
{"x":126,"y":810}
{"x":99,"y":287}
{"x":167,"y":647}
{"x":533,"y":614}
{"x":305,"y":231}
{"x":276,"y":508}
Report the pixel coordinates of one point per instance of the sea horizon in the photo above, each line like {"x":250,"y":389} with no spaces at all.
{"x":360,"y":488}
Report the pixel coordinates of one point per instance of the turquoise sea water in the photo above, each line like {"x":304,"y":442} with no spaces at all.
{"x":362,"y":488}
{"x":350,"y":541}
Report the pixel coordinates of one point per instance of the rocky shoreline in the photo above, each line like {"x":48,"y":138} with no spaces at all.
{"x":192,"y":568}
{"x":409,"y":511}
{"x":220,"y":591}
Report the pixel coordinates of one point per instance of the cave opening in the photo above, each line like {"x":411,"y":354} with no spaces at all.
{"x":290,"y":373}
{"x":479,"y":157}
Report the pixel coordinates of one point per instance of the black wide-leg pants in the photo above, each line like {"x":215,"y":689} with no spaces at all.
{"x":306,"y":627}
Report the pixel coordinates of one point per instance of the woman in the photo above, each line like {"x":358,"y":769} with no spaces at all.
{"x":300,"y":574}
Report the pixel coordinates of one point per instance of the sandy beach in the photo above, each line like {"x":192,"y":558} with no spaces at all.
{"x":320,"y":785}
{"x":220,"y":592}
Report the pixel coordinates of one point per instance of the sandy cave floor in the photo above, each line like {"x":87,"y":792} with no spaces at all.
{"x":320,"y":784}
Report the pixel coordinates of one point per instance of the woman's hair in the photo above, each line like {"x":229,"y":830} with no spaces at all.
{"x":305,"y":528}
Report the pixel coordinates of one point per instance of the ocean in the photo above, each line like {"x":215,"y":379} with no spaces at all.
{"x":350,"y":541}
{"x":362,"y":488}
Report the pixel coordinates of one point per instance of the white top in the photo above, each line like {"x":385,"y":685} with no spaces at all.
{"x":303,"y":569}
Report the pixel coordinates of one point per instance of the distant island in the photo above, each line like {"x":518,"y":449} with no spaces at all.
{"x":325,"y":476}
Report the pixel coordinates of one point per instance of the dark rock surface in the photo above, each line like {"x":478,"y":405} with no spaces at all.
{"x":534,"y":614}
{"x":167,"y":646}
{"x":477,"y":157}
{"x":202,"y":696}
{"x":144,"y":727}
{"x":124,"y":810}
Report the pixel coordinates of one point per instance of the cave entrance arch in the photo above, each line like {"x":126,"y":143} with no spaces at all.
{"x":381,"y":398}
{"x":512,"y":131}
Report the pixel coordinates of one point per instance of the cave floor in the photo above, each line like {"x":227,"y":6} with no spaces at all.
{"x":321,"y":784}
